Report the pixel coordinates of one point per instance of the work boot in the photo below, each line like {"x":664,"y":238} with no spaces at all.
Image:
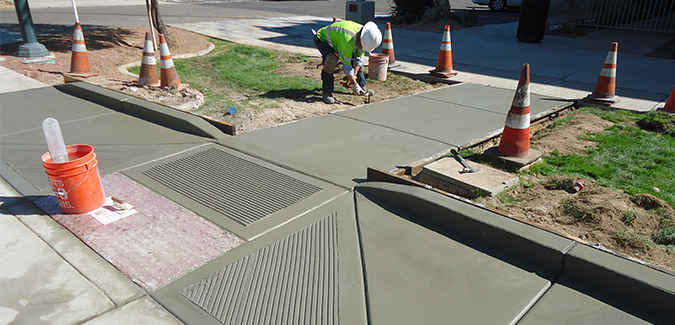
{"x":328,"y":98}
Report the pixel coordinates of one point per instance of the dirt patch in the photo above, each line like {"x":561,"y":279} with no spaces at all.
{"x":565,"y":140}
{"x":291,"y":107}
{"x":107,"y":49}
{"x":595,"y":215}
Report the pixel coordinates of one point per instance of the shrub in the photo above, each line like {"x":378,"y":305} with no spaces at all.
{"x":411,"y":10}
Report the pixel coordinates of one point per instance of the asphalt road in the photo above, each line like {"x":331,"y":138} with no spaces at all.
{"x":199,"y":11}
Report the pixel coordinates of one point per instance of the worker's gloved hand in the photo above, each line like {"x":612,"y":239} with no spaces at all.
{"x":358,"y":90}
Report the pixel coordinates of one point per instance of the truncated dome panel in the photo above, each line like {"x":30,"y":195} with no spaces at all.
{"x":293,"y":281}
{"x":239,"y":189}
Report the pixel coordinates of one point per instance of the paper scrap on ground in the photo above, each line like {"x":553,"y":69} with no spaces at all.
{"x":111,"y":212}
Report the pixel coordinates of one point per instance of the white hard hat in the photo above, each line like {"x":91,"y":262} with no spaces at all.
{"x":371,"y":37}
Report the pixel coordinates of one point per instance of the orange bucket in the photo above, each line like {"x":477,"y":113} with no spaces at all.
{"x":76,"y":183}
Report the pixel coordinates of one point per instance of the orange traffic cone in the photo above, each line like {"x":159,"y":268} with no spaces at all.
{"x":670,"y":104}
{"x":148,"y":75}
{"x":444,"y":64}
{"x":169,"y":74}
{"x":388,"y":46}
{"x":79,"y":60}
{"x":335,"y":19}
{"x":515,"y":140}
{"x":605,"y":88}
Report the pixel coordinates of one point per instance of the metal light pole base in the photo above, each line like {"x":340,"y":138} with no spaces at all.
{"x":32,"y":50}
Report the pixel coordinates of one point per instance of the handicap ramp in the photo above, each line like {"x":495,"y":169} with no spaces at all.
{"x":308,"y":272}
{"x":247,"y":196}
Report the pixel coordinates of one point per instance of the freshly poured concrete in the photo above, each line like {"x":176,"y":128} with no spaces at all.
{"x":408,"y":238}
{"x":420,"y":275}
{"x":308,"y":271}
{"x":570,"y":302}
{"x":335,"y":148}
{"x":429,"y":118}
{"x":234,"y":186}
{"x":25,"y":110}
{"x":492,"y":99}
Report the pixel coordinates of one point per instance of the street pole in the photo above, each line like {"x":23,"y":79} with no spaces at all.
{"x":152,"y":28}
{"x":77,"y":18}
{"x":31,"y":48}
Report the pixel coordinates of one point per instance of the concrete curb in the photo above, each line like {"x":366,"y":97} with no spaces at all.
{"x":149,"y":111}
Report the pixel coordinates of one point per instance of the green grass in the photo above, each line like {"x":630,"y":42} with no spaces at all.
{"x":250,"y":78}
{"x":234,"y":74}
{"x":627,"y":158}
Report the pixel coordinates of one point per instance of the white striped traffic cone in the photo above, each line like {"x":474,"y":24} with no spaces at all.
{"x":148,"y":75}
{"x":444,"y":64}
{"x":388,"y":46}
{"x":79,"y":60}
{"x":670,"y":104}
{"x":515,"y":140}
{"x":605,"y":88}
{"x":167,"y":69}
{"x":514,"y":146}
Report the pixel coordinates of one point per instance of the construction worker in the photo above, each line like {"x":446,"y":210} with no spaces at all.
{"x":345,"y":41}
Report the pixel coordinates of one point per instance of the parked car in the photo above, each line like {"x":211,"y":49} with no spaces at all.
{"x":498,"y":5}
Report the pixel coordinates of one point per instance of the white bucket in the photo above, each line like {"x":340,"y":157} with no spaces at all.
{"x":377,"y":66}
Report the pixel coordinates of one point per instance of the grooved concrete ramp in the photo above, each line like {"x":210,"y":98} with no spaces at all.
{"x":301,"y":269}
{"x":308,"y":272}
{"x":240,"y":193}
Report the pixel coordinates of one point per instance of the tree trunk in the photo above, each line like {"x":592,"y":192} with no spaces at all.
{"x":157,"y":20}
